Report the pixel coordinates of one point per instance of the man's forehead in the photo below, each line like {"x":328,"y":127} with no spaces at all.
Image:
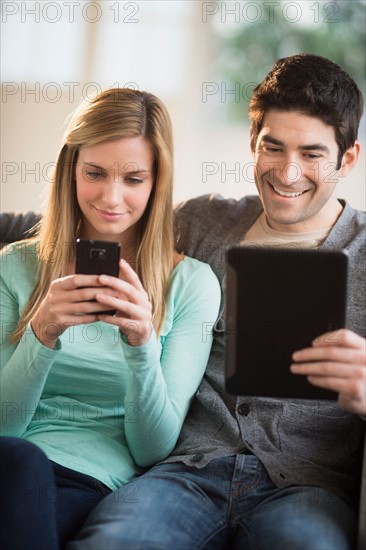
{"x":280,"y":127}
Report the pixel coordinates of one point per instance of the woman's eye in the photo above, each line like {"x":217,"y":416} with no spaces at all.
{"x":134,"y":181}
{"x":93,"y":175}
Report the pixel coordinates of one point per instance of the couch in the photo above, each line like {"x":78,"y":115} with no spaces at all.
{"x":14,"y":227}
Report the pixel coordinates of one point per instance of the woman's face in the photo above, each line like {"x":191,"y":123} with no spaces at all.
{"x":114,"y":180}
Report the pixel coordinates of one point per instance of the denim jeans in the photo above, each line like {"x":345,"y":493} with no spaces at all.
{"x":230,"y":503}
{"x":42,"y":504}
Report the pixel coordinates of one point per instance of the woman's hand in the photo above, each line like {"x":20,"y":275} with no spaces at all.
{"x":69,"y":301}
{"x":337,"y":361}
{"x":134,"y":309}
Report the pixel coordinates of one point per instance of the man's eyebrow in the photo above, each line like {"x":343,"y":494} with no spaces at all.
{"x":315,"y":147}
{"x":311,"y":147}
{"x":270,"y":139}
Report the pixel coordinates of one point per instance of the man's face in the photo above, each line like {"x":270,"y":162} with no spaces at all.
{"x":295,"y":159}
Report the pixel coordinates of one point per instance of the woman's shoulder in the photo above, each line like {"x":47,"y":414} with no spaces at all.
{"x":190,"y":273}
{"x":20,"y":251}
{"x":192,"y":265}
{"x":19,"y":257}
{"x":193,"y":288}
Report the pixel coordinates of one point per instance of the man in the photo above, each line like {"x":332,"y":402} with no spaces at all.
{"x":254,"y":472}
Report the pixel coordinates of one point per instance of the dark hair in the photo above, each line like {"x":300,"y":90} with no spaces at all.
{"x":314,"y":86}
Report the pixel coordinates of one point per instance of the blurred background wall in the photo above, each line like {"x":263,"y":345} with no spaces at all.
{"x":201,"y":58}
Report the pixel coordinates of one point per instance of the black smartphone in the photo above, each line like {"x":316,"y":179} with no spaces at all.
{"x":97,"y":258}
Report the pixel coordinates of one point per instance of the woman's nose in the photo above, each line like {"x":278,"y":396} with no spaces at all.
{"x":112,"y":192}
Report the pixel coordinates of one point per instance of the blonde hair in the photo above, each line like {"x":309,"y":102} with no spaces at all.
{"x":113,"y":114}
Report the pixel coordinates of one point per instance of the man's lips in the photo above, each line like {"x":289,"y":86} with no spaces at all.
{"x":287,"y":194}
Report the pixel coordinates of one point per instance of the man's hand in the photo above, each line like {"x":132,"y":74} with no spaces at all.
{"x":336,"y":361}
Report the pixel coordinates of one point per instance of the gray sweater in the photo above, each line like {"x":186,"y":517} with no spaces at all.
{"x":299,"y":442}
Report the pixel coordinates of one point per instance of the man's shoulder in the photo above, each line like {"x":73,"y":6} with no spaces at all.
{"x":211,"y":221}
{"x":216,"y":205}
{"x":359,"y":214}
{"x":350,"y":227}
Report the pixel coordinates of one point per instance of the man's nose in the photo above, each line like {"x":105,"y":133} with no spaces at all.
{"x":289,"y":171}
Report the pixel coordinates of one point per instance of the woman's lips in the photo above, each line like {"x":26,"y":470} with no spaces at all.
{"x":109,"y":215}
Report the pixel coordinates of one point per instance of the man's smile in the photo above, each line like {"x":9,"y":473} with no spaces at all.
{"x":287,"y":193}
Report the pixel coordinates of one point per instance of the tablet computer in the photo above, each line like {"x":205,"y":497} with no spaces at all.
{"x":277,"y":301}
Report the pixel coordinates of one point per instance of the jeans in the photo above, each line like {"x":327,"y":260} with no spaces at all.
{"x":42,"y":504}
{"x":230,"y":503}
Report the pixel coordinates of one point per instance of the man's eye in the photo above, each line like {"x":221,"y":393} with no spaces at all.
{"x":271,"y":149}
{"x":312,"y":156}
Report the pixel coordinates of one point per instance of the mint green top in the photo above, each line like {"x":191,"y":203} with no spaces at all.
{"x":95,"y":404}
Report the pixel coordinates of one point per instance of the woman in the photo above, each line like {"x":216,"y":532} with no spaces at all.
{"x":89,"y":398}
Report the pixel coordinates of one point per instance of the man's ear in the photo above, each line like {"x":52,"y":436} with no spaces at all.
{"x":252,"y":140}
{"x":349,"y":159}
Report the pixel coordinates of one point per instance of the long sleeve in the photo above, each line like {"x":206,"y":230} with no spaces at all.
{"x":163,"y":377}
{"x":95,"y":404}
{"x":25,"y":366}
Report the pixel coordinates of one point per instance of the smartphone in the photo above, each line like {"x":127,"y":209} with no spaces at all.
{"x":97,"y":258}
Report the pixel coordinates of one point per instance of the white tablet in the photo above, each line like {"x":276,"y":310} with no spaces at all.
{"x":277,"y":301}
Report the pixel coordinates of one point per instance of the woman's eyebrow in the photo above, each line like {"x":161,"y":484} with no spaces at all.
{"x":94,"y":164}
{"x":129,"y":168}
{"x":138,"y":171}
